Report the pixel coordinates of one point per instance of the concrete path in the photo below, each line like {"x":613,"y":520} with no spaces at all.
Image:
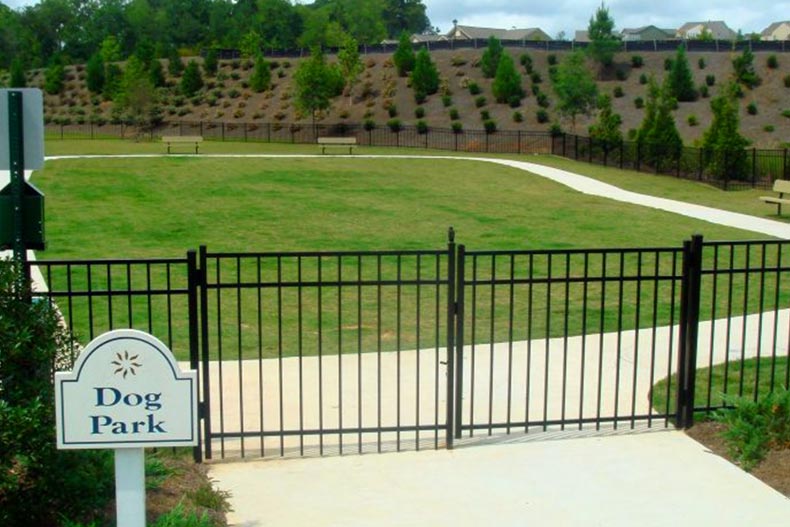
{"x":651,"y":479}
{"x":658,"y":478}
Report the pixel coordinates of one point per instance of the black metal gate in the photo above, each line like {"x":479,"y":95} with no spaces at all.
{"x":316,"y":352}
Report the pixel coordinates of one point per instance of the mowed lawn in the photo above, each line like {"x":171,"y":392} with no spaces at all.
{"x":149,"y":207}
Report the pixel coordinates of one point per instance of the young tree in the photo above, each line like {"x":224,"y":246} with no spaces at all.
{"x":251,"y":44}
{"x":404,"y":58}
{"x":210,"y":63}
{"x":156,"y":74}
{"x":680,"y":82}
{"x":110,"y":49}
{"x":316,"y":84}
{"x":507,"y":83}
{"x":575,"y":87}
{"x":54,"y":77}
{"x":425,"y":77}
{"x":18,"y":79}
{"x":261,"y":77}
{"x":724,"y":146}
{"x":606,"y":131}
{"x":94,"y":73}
{"x":137,"y":96}
{"x":658,"y":138}
{"x":174,"y":64}
{"x":350,"y":64}
{"x":192,"y":80}
{"x":744,"y":69}
{"x":603,"y":41}
{"x":490,"y":59}
{"x":112,"y":81}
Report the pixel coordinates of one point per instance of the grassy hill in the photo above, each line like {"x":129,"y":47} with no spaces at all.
{"x":226,"y":97}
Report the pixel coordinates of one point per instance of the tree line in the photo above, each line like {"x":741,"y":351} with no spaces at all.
{"x":71,"y":31}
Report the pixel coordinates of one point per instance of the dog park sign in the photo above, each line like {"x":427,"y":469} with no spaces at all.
{"x":126,"y":392}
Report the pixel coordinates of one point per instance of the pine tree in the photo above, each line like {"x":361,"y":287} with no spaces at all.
{"x":744,"y":69}
{"x":680,"y":82}
{"x":174,"y":64}
{"x":94,"y":73}
{"x":658,"y":137}
{"x":603,"y":41}
{"x":210,"y":63}
{"x":261,"y":77}
{"x":724,"y":146}
{"x":54,"y":77}
{"x":606,"y":131}
{"x":425,"y":77}
{"x":404,"y":58}
{"x":489,"y":62}
{"x":112,"y":81}
{"x":575,"y":87}
{"x":18,"y":79}
{"x":156,"y":74}
{"x":507,"y":83}
{"x":192,"y":80}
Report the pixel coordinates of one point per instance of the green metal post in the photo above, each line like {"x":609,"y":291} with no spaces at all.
{"x":16,"y":156}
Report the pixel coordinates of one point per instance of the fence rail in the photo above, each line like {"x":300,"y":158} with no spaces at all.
{"x":317,"y":352}
{"x":754,"y":168}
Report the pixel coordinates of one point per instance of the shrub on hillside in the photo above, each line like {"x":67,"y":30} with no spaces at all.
{"x":637,"y":61}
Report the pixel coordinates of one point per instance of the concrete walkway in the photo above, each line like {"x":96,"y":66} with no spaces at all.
{"x":655,"y":478}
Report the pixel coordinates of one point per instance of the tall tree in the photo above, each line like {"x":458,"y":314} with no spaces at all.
{"x":192,"y":80}
{"x":350,"y":63}
{"x":507,"y":82}
{"x":724,"y":146}
{"x":490,"y":59}
{"x":744,"y":69}
{"x":316,"y":84}
{"x":137,"y":96}
{"x":54,"y":76}
{"x":603,"y":40}
{"x":94,"y":73}
{"x":575,"y":87}
{"x":425,"y":77}
{"x":210,"y":63}
{"x":261,"y":77}
{"x":18,"y":79}
{"x":680,"y":82}
{"x":658,"y":138}
{"x":404,"y":58}
{"x":405,"y":15}
{"x":606,"y":131}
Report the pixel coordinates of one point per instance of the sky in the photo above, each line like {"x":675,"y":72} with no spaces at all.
{"x":554,"y":16}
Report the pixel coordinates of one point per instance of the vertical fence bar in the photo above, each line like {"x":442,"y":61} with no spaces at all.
{"x":454,"y":378}
{"x":206,"y":385}
{"x":193,"y":281}
{"x":689,"y":328}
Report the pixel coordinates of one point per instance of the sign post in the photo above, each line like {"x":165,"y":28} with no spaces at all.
{"x":21,"y":147}
{"x":126,"y":392}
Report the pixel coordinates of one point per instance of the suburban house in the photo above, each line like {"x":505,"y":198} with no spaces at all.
{"x":776,"y":31}
{"x":459,"y":32}
{"x":647,"y":33}
{"x":714,"y":29}
{"x":581,"y":35}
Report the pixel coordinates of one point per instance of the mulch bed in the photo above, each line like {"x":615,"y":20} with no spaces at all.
{"x":774,"y":470}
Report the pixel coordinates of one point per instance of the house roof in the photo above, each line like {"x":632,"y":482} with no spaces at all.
{"x":581,"y":35}
{"x":718,"y":29}
{"x":637,"y":30}
{"x":773,"y":27}
{"x":470,"y":32}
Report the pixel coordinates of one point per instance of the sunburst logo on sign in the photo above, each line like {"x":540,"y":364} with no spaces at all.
{"x":125,"y":364}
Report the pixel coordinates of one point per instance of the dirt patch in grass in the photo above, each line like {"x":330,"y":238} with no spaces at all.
{"x":774,"y":470}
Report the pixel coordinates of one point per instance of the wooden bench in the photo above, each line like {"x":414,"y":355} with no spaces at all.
{"x":781,"y":187}
{"x":337,"y":142}
{"x":177,"y":140}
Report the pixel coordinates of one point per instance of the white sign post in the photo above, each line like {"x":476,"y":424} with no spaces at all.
{"x":126,"y":392}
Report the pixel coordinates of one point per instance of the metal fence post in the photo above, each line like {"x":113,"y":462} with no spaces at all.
{"x":689,"y":329}
{"x":459,"y":340}
{"x":451,"y":314}
{"x":204,"y":371}
{"x":193,"y":279}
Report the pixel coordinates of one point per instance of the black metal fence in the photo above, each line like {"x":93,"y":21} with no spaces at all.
{"x":317,"y":352}
{"x":759,"y":168}
{"x":692,"y":45}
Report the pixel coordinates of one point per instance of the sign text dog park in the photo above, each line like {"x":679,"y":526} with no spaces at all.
{"x":126,"y":392}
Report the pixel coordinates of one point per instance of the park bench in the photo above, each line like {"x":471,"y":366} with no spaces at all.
{"x":337,"y":142}
{"x":781,"y":187}
{"x":174,"y":141}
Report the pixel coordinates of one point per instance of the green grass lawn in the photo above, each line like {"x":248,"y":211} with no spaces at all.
{"x":715,"y":387}
{"x":162,"y":206}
